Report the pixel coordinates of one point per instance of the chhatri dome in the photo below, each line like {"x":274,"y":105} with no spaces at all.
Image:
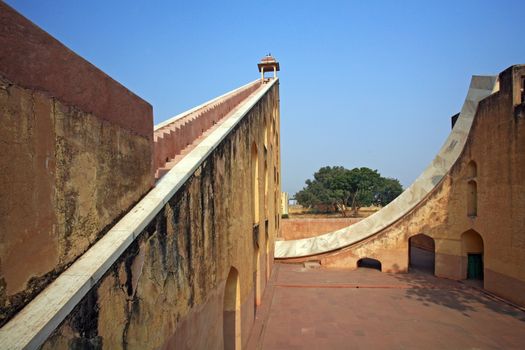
{"x":268,"y":64}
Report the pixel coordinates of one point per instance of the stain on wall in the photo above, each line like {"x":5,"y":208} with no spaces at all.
{"x":167,"y":289}
{"x":66,"y":177}
{"x":75,"y":155}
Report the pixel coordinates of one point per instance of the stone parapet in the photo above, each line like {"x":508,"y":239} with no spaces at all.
{"x":173,"y":139}
{"x":33,"y":59}
{"x":76,"y":155}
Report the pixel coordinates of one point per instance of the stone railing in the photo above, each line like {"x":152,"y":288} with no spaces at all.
{"x":174,"y":138}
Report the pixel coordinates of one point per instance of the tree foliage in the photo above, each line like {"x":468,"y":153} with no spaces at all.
{"x":339,"y":188}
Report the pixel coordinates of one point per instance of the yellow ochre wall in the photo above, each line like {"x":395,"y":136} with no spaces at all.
{"x":167,"y":289}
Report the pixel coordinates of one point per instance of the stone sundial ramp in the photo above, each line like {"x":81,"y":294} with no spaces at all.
{"x":413,"y":196}
{"x":36,"y":322}
{"x":176,"y":137}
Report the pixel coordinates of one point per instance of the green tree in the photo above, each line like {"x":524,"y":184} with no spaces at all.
{"x":327,"y":188}
{"x":388,"y":191}
{"x":364,"y":184}
{"x":340,"y":188}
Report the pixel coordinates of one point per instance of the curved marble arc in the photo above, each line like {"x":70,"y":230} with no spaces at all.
{"x":480,"y":87}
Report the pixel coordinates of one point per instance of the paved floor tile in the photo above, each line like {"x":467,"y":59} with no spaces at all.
{"x":367,"y":309}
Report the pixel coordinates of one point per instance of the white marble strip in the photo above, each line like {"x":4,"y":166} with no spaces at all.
{"x":480,"y":87}
{"x":36,"y":321}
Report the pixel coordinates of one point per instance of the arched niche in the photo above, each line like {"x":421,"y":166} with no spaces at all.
{"x":265,"y":134}
{"x":472,"y":198}
{"x":255,"y":183}
{"x":258,"y":281}
{"x":231,"y":315}
{"x":266,"y":189}
{"x":472,"y":169}
{"x":369,"y":263}
{"x":268,"y":261}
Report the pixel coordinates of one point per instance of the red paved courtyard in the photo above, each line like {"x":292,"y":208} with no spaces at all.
{"x":367,"y":309}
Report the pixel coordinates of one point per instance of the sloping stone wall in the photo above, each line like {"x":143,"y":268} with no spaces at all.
{"x":76,"y":153}
{"x":167,"y":289}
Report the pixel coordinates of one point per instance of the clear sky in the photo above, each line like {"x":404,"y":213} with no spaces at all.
{"x":363,"y":83}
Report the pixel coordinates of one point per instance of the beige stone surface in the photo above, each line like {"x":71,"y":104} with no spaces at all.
{"x":165,"y":263}
{"x":298,"y":228}
{"x":76,"y":154}
{"x":67,"y":176}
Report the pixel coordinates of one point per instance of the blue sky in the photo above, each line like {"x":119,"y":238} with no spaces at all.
{"x":363,"y":83}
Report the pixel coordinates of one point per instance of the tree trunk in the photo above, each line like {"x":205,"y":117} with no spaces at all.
{"x":355,"y":207}
{"x":342,"y":209}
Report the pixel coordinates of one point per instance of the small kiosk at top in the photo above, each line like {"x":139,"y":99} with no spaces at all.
{"x":268,"y":64}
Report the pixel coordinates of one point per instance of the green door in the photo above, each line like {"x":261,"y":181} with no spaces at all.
{"x":475,"y":267}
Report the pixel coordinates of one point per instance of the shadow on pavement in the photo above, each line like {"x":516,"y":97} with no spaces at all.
{"x":429,"y":289}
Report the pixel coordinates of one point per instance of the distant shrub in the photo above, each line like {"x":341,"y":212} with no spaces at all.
{"x":284,"y":216}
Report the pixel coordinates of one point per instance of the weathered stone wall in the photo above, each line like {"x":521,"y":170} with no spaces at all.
{"x":310,"y":227}
{"x":496,"y":144}
{"x":70,"y":164}
{"x":167,"y":290}
{"x":390,"y":246}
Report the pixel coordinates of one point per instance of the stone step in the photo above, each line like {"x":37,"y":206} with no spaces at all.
{"x":174,"y":141}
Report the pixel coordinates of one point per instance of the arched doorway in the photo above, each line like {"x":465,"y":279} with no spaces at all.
{"x":265,"y":189}
{"x":265,"y":135}
{"x":369,"y":263}
{"x":473,"y":260}
{"x":268,"y":262}
{"x":421,"y":253}
{"x":255,"y":183}
{"x":231,"y":315}
{"x":258,"y":287}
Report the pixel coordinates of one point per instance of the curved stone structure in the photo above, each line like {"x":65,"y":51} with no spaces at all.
{"x":425,"y":184}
